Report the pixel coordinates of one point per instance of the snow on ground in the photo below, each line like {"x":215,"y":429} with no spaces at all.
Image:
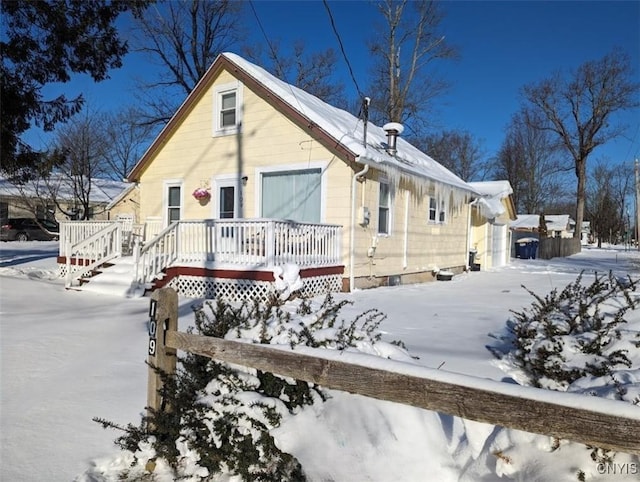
{"x":68,"y":356}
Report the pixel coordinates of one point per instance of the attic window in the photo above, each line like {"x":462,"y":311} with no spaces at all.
{"x":227,"y":109}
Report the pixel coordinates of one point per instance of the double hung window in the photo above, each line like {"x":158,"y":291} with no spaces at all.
{"x":385,"y":199}
{"x":227,"y":109}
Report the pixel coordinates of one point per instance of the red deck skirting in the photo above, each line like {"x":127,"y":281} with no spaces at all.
{"x":255,"y":275}
{"x":74,"y":261}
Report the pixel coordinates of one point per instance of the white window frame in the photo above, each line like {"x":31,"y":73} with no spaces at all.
{"x":432,"y":210}
{"x":382,"y":181}
{"x":219,"y":91}
{"x":225,"y":180}
{"x":165,"y":198}
{"x":439,"y":212}
{"x":305,"y":166}
{"x":442,"y":214}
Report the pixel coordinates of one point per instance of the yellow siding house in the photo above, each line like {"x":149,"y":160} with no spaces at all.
{"x":245,"y":145}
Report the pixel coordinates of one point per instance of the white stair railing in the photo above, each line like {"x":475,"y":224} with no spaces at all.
{"x":74,"y":232}
{"x":84,"y":256}
{"x":156,"y":255}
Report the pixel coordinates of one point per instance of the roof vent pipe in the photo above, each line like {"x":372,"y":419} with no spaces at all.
{"x":393,"y":130}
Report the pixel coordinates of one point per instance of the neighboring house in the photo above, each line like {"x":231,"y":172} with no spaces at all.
{"x":254,"y":147}
{"x":558,"y":226}
{"x":126,"y":204}
{"x":527,"y":226}
{"x":490,"y":237}
{"x":33,"y":199}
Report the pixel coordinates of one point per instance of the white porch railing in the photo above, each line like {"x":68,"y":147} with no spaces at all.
{"x":97,"y":249}
{"x":73,"y":232}
{"x":244,"y":243}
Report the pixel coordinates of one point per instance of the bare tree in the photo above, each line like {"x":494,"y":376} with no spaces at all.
{"x":311,"y":72}
{"x":579,"y":109}
{"x":531,"y":160}
{"x":622,"y":188}
{"x":459,"y":152}
{"x":128,"y":137}
{"x":603,"y":207}
{"x":85,"y":146}
{"x":409,"y":42}
{"x":184,"y":38}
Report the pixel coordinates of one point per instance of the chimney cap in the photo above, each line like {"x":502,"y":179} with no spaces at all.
{"x":395,"y":127}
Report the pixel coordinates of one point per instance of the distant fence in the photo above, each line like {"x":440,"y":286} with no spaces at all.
{"x":530,"y":409}
{"x":558,"y":247}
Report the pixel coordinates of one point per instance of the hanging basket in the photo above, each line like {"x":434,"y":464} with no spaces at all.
{"x":202,"y":195}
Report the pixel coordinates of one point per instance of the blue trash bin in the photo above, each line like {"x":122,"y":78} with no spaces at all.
{"x":526,"y":248}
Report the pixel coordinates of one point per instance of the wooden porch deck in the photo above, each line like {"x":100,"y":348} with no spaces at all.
{"x":199,"y":257}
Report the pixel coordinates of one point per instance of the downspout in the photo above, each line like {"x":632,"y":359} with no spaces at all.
{"x":405,"y":247}
{"x":352,"y":233}
{"x":469,"y":240}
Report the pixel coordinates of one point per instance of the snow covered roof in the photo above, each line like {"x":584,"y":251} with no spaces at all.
{"x":555,"y":222}
{"x":492,"y":193}
{"x":339,"y":130}
{"x":103,"y":191}
{"x":500,"y":189}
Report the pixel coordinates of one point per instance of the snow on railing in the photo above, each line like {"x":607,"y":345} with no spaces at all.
{"x":86,"y":255}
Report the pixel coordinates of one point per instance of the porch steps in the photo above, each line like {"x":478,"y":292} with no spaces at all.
{"x":114,"y":278}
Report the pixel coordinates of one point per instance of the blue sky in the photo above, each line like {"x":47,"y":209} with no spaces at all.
{"x":504,"y":45}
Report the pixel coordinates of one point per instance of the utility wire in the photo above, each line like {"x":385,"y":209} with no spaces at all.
{"x":344,"y":54}
{"x":274,"y":55}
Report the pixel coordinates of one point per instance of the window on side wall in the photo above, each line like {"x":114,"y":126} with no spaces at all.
{"x":437,"y":211}
{"x":384,"y":208}
{"x":227,"y":109}
{"x":173,"y":203}
{"x":433,"y":210}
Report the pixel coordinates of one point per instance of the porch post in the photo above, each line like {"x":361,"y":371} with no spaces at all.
{"x":270,"y":247}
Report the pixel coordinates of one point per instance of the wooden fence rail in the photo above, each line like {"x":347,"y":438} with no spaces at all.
{"x":606,"y":423}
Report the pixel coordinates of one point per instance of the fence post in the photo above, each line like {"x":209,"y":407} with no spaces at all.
{"x":163,"y":317}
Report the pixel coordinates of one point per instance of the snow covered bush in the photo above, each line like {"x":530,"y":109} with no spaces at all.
{"x":582,"y":339}
{"x":221,"y":414}
{"x":571,"y":334}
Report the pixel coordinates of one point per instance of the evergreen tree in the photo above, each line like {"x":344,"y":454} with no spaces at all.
{"x":45,"y":42}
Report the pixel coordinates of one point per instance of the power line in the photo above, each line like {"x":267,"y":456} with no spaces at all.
{"x":275,"y":56}
{"x":344,"y":54}
{"x":264,"y":34}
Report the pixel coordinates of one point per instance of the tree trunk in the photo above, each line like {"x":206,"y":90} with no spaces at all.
{"x":581,"y":172}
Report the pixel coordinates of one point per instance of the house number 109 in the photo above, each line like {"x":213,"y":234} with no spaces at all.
{"x":153,"y":328}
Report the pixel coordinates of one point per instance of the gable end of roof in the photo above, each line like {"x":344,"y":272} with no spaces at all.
{"x":223,"y":63}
